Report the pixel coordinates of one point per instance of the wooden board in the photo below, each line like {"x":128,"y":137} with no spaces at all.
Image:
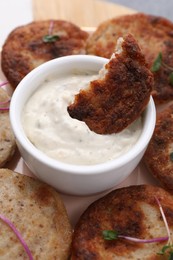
{"x":85,"y":13}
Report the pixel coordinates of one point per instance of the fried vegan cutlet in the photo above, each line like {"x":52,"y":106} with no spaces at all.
{"x":159,"y":154}
{"x":7,"y":140}
{"x":30,"y":45}
{"x":131,"y":211}
{"x":38,"y":213}
{"x":154,"y":35}
{"x":121,"y":93}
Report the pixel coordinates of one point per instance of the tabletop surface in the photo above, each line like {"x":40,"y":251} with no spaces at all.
{"x":83,"y":12}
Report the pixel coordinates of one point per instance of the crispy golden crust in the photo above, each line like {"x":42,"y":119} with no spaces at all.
{"x":113,"y":102}
{"x":7,"y":140}
{"x":154,"y":34}
{"x":38,"y":213}
{"x":24,"y":48}
{"x":157,"y":156}
{"x":132,"y":211}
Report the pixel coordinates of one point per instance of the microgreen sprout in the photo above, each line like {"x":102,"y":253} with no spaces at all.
{"x":113,"y":235}
{"x":171,"y":78}
{"x":3,"y":83}
{"x":50,"y":37}
{"x":110,"y":234}
{"x":171,"y":156}
{"x":158,"y":63}
{"x":168,"y":248}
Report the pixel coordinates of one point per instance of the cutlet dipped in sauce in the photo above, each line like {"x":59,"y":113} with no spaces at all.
{"x":50,"y":128}
{"x":119,"y":96}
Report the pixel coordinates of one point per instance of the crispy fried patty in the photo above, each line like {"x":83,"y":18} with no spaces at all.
{"x":114,"y":101}
{"x":24,"y":49}
{"x":159,"y":154}
{"x":132,"y":211}
{"x":38,"y":213}
{"x":7,"y":140}
{"x":154,"y":34}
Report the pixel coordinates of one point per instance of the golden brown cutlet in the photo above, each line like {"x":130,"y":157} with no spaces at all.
{"x":25,"y":47}
{"x":154,"y":35}
{"x":131,"y":211}
{"x":38,"y":213}
{"x":112,"y":102}
{"x":159,"y":154}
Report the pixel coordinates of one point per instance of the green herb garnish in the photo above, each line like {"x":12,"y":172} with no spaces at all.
{"x":171,"y":78}
{"x":167,"y":249}
{"x":171,"y":156}
{"x":164,"y":249}
{"x":158,"y":63}
{"x":110,"y":234}
{"x":51,"y":38}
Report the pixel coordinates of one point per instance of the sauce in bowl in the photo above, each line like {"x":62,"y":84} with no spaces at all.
{"x":49,"y":127}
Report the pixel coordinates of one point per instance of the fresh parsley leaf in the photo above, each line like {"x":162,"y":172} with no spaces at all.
{"x":171,"y":78}
{"x":171,"y":156}
{"x":170,"y":256}
{"x":163,"y":250}
{"x":157,"y":63}
{"x":167,"y":249}
{"x":110,"y":234}
{"x":51,"y":38}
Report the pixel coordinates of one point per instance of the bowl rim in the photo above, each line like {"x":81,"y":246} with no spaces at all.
{"x":140,"y":145}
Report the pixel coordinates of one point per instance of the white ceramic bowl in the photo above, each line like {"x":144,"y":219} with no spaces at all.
{"x":67,"y":178}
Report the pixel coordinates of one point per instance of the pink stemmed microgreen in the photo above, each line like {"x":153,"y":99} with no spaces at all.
{"x":164,"y":218}
{"x":113,"y":234}
{"x":51,"y":25}
{"x":4,"y":103}
{"x":3,"y":83}
{"x":168,"y":247}
{"x":50,"y":37}
{"x":22,"y":241}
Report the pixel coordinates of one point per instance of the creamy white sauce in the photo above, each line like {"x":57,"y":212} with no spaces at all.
{"x":50,"y":128}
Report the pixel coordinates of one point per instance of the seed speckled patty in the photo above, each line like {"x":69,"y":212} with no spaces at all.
{"x":159,"y":154}
{"x":38,"y":213}
{"x":131,"y":211}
